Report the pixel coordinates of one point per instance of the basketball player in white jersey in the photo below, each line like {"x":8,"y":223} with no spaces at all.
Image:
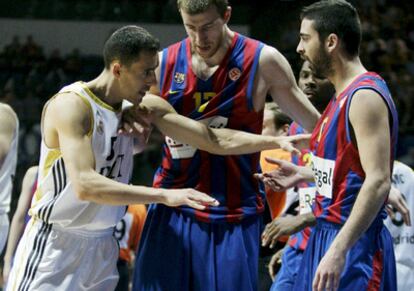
{"x":85,"y":166}
{"x":9,"y":131}
{"x":403,"y":233}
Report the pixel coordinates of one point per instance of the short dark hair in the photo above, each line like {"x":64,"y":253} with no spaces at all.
{"x":338,"y":17}
{"x":126,"y":44}
{"x":279,"y":118}
{"x":199,"y":6}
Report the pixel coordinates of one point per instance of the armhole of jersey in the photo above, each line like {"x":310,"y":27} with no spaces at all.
{"x":162,"y":69}
{"x":252,"y":75}
{"x":87,"y":102}
{"x":348,"y":106}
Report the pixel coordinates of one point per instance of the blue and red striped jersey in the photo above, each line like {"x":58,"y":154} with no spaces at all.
{"x":222,"y":100}
{"x":305,"y":190}
{"x":336,"y":162}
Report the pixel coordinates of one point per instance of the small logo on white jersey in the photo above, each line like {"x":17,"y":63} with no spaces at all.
{"x":234,"y":74}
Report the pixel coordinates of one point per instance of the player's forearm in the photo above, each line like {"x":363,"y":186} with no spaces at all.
{"x":231,"y":142}
{"x":220,"y":141}
{"x":99,"y":189}
{"x":16,"y":230}
{"x":366,"y":207}
{"x":307,"y":220}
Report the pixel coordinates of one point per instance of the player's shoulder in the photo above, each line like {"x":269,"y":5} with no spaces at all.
{"x":402,"y":168}
{"x":272,"y":63}
{"x":32,"y":170}
{"x":7,"y":111}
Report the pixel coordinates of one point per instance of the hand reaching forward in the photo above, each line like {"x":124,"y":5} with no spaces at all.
{"x":189,"y":197}
{"x":136,"y":122}
{"x":284,"y":177}
{"x":294,"y":143}
{"x":287,"y":225}
{"x":397,"y":203}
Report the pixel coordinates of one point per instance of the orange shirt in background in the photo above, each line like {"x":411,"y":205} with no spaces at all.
{"x":128,"y":231}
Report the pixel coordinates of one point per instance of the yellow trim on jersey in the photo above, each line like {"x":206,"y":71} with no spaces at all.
{"x":51,"y":157}
{"x":96,"y":99}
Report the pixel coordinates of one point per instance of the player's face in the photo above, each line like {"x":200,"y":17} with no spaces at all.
{"x":318,"y":89}
{"x":206,"y":30}
{"x":312,"y":49}
{"x":137,"y":78}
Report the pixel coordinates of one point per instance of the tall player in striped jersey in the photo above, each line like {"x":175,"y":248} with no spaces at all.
{"x":221,"y":77}
{"x":9,"y":134}
{"x":85,"y":167}
{"x":353,"y":147}
{"x":319,"y":91}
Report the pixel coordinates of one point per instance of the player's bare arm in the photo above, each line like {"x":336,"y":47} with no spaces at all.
{"x":221,"y":141}
{"x":368,"y":116}
{"x":275,"y":77}
{"x":70,"y":133}
{"x":18,"y":223}
{"x":7,"y":128}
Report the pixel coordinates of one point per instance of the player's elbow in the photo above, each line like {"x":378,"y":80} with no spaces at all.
{"x":382,"y":184}
{"x":218,"y":144}
{"x":83,"y":187}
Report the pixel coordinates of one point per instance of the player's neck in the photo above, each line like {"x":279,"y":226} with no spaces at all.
{"x":103,"y":87}
{"x":221,"y":52}
{"x":344,"y":73}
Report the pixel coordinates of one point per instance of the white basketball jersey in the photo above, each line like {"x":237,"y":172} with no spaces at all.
{"x":7,"y":173}
{"x":403,"y":235}
{"x":55,"y":201}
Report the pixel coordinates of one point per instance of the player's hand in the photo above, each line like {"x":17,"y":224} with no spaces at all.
{"x":281,"y":226}
{"x":189,"y":197}
{"x":136,"y":122}
{"x":275,"y":263}
{"x":294,"y":143}
{"x":284,"y":177}
{"x":397,"y":203}
{"x":329,"y":271}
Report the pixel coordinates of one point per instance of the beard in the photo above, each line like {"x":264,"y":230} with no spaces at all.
{"x":322,"y":65}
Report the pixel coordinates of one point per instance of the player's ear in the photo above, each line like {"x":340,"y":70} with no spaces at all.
{"x":332,"y":42}
{"x":227,"y":14}
{"x":116,"y":69}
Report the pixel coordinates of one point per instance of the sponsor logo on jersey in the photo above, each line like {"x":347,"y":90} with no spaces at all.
{"x":323,"y":170}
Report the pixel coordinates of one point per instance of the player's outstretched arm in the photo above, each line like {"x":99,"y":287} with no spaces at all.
{"x":70,"y":133}
{"x":17,"y":223}
{"x":275,"y":74}
{"x":8,"y":126}
{"x":368,"y":116}
{"x":222,"y":141}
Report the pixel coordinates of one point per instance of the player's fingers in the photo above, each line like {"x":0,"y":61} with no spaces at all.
{"x":202,"y":198}
{"x":195,"y":204}
{"x":335,"y":283}
{"x":258,"y":176}
{"x":405,"y":212}
{"x":274,"y":161}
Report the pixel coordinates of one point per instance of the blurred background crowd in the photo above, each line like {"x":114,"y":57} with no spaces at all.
{"x":29,"y":76}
